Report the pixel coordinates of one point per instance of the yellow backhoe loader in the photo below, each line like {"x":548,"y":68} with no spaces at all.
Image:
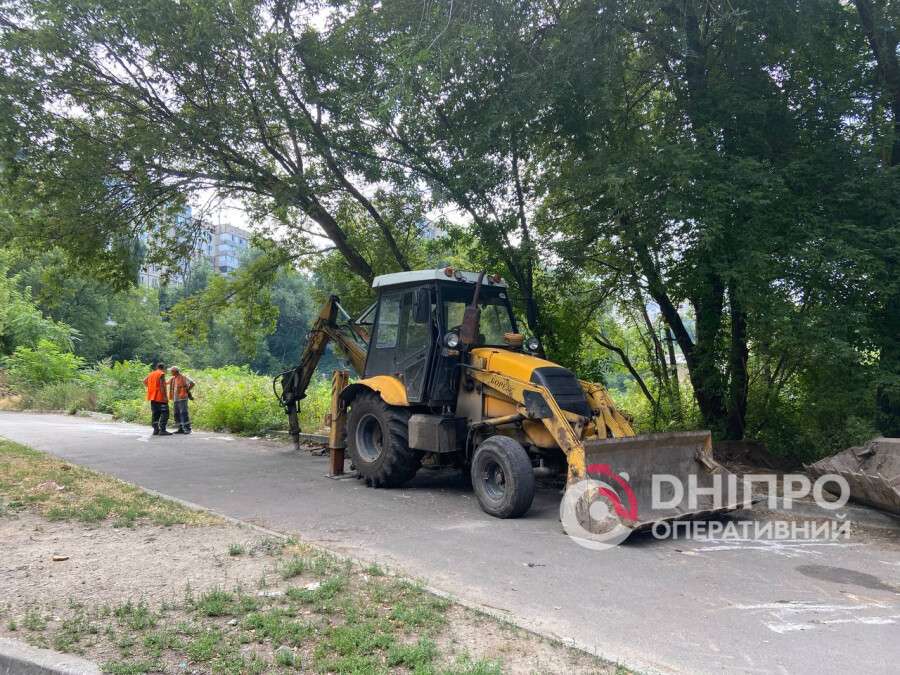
{"x":446,"y":379}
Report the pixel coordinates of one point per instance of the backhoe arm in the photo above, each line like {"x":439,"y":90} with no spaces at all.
{"x":294,"y":383}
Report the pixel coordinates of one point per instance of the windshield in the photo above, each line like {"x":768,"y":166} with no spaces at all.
{"x":496,"y":318}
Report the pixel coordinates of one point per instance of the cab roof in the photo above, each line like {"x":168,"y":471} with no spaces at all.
{"x":440,"y":274}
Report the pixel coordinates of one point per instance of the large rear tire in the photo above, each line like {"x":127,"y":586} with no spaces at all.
{"x":378,"y":440}
{"x":502,"y":477}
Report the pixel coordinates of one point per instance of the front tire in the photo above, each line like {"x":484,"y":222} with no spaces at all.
{"x":502,"y":477}
{"x":378,"y":441}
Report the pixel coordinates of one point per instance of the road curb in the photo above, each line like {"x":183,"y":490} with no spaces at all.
{"x":18,"y":658}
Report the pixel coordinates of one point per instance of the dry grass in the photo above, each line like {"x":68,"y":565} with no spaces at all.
{"x":11,"y":402}
{"x":62,"y":491}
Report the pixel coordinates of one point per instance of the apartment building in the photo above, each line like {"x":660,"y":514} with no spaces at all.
{"x":221,"y":244}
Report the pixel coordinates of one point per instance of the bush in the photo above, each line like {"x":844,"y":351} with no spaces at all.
{"x":115,"y":382}
{"x":234,"y":399}
{"x":315,"y":406}
{"x":70,"y":396}
{"x":132,"y":410}
{"x":31,"y":369}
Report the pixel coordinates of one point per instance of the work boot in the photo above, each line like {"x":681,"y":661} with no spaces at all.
{"x":163,"y":432}
{"x":155,"y":431}
{"x":180,"y":431}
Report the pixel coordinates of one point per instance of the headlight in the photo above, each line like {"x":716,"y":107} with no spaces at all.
{"x":451,"y":340}
{"x":532,"y":344}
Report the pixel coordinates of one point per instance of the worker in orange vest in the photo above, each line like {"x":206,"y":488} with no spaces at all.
{"x":180,"y":386}
{"x":159,"y":398}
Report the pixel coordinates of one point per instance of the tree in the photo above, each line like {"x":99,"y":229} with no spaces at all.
{"x":879,"y":22}
{"x":113,"y":112}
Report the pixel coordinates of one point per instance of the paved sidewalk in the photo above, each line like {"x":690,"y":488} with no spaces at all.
{"x":683,"y":606}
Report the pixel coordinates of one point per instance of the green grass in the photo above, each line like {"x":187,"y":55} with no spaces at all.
{"x":326,"y":590}
{"x":292,"y":567}
{"x":64,"y":492}
{"x":203,"y":647}
{"x":136,"y":617}
{"x":162,"y":640}
{"x":417,"y":657}
{"x":216,"y":603}
{"x":374,"y":570}
{"x":286,"y":658}
{"x":279,"y":626}
{"x":129,"y":667}
{"x":34,"y":620}
{"x":236,"y":550}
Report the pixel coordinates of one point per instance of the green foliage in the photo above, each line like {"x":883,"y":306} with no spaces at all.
{"x":115,"y":382}
{"x":30,"y":368}
{"x":21,"y":321}
{"x":233,"y":399}
{"x":70,"y":397}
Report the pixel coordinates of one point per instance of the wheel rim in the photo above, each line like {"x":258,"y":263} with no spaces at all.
{"x":493,"y":480}
{"x":369,"y":438}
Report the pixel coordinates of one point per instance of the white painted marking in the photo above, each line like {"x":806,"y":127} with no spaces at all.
{"x":790,"y":548}
{"x":789,"y":615}
{"x":470,"y":525}
{"x":799,"y":606}
{"x":782,"y":628}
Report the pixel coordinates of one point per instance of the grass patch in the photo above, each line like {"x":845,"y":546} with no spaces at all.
{"x":355,"y":647}
{"x":64,"y":492}
{"x":215,"y":603}
{"x":34,"y":620}
{"x":417,"y":657}
{"x":236,"y":550}
{"x":374,"y":570}
{"x":466,"y":665}
{"x":293,"y":567}
{"x":203,"y":647}
{"x":326,"y":590}
{"x":136,"y":617}
{"x":279,"y":626}
{"x":286,"y":658}
{"x":162,"y":640}
{"x":129,"y":667}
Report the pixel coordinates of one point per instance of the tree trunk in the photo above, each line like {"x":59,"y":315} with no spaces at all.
{"x":709,"y":303}
{"x":700,"y":357}
{"x":737,"y":366}
{"x":354,"y":259}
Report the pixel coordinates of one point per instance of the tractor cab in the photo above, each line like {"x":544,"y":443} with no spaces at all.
{"x":415,"y":334}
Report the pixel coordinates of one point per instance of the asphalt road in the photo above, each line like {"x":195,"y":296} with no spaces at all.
{"x":672,"y":606}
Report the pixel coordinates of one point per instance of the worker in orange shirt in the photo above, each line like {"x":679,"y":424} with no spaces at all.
{"x":180,"y":386}
{"x":159,"y":398}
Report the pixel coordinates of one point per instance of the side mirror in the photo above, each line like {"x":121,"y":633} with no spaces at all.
{"x":422,"y":308}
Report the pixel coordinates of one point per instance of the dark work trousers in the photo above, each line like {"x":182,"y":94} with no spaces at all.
{"x":160,"y":411}
{"x":182,"y":416}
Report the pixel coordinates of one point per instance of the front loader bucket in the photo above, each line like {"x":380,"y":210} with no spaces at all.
{"x":680,"y":464}
{"x":872,"y":472}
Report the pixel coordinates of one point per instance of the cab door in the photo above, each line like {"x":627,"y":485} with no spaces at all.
{"x":402,"y":342}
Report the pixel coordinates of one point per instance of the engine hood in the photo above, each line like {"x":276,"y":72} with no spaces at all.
{"x":561,"y":382}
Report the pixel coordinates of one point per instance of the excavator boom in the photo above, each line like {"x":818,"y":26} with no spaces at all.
{"x":291,"y":385}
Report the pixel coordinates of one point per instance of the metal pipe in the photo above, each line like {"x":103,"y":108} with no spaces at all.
{"x":498,"y":421}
